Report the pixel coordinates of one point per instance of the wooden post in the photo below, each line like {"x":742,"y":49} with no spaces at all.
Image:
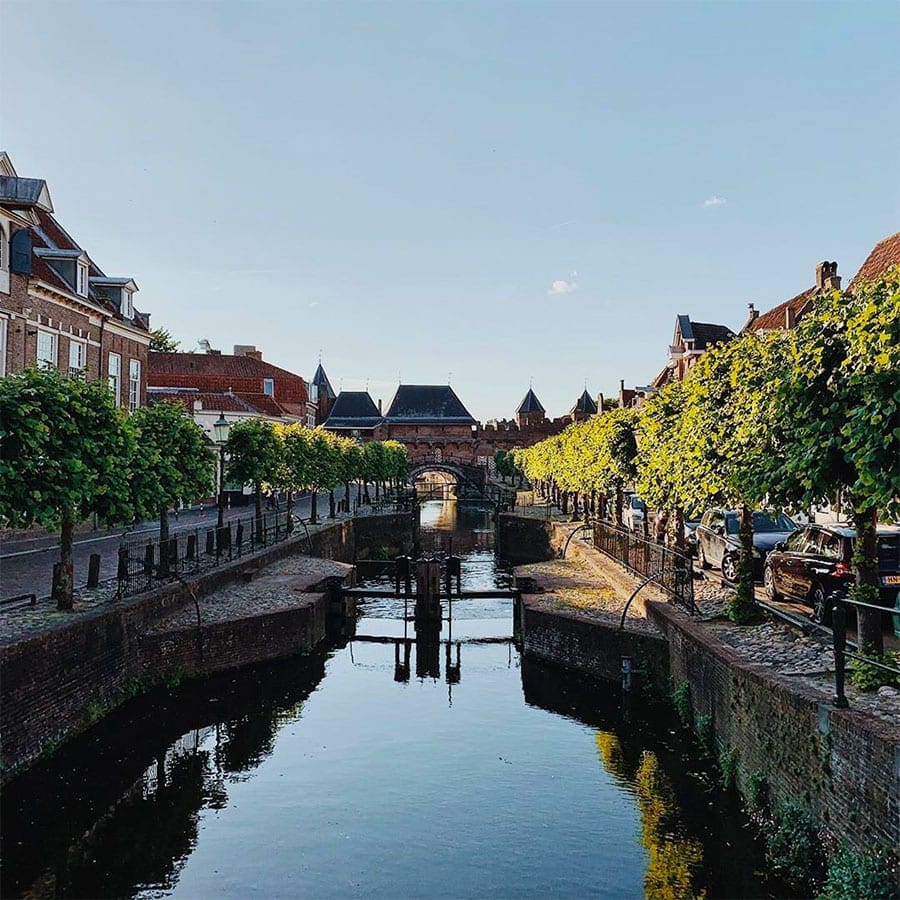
{"x":93,"y":570}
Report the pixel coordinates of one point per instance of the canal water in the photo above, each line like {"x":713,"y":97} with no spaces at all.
{"x":345,"y":774}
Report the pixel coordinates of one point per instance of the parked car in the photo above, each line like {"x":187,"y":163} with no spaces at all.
{"x":718,"y":541}
{"x":634,"y":513}
{"x":691,"y":521}
{"x":815,"y":561}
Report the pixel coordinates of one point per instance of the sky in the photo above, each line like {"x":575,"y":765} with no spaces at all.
{"x":491,"y":193}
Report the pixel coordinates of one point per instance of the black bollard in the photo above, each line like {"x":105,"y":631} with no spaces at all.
{"x":240,"y":537}
{"x":93,"y":570}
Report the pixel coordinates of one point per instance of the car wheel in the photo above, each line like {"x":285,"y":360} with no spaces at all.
{"x":769,"y":582}
{"x":821,"y":610}
{"x":701,"y":557}
{"x":730,"y":567}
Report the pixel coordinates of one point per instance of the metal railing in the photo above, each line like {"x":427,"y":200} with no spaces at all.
{"x":670,"y":570}
{"x":145,"y":564}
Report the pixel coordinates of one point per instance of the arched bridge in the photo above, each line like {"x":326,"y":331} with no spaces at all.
{"x":470,"y":480}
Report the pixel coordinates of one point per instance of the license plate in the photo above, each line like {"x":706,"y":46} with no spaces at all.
{"x":891,"y":579}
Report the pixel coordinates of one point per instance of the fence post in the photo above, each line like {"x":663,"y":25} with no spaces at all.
{"x":210,"y":542}
{"x":839,"y":640}
{"x":240,"y":537}
{"x":191,"y":546}
{"x":148,"y":562}
{"x":93,"y":570}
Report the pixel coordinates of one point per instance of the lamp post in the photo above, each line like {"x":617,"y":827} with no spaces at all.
{"x":221,"y":427}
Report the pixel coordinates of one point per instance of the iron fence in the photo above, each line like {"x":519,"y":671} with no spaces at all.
{"x":669,"y":569}
{"x":145,"y":564}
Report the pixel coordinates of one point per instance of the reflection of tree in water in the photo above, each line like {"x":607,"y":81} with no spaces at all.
{"x":674,"y":858}
{"x":245,"y":742}
{"x":148,"y":836}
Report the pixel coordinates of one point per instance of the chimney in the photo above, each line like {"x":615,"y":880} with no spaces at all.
{"x":379,"y":406}
{"x":752,"y":312}
{"x":790,"y":317}
{"x":255,"y":354}
{"x":827,"y":278}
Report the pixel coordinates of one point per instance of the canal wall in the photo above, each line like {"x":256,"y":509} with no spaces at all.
{"x":842,"y":763}
{"x":524,"y":539}
{"x":60,"y":680}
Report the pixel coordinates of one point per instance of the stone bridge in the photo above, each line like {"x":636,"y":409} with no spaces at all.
{"x":470,"y":480}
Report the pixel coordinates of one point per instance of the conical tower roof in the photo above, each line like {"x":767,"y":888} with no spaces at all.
{"x":530,"y":404}
{"x":320,"y":380}
{"x":585,"y":404}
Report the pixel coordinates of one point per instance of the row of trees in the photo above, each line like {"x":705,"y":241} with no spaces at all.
{"x":791,"y":419}
{"x":67,"y":453}
{"x":292,"y":458}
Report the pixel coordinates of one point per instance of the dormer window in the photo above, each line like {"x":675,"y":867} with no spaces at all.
{"x":81,"y":285}
{"x":269,"y":386}
{"x":127,"y":304}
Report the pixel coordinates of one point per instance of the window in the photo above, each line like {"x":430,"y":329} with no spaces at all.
{"x":832,"y":546}
{"x":134,"y":385}
{"x":77,"y":355}
{"x":46,"y":348}
{"x":3,"y":327}
{"x":269,"y":386}
{"x":127,"y":306}
{"x":115,"y":376}
{"x":4,"y":261}
{"x":82,"y":280}
{"x":797,"y":541}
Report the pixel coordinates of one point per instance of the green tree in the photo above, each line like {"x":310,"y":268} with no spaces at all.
{"x":65,"y":455}
{"x":839,"y":423}
{"x":161,"y":340}
{"x":173,"y":461}
{"x":255,"y":456}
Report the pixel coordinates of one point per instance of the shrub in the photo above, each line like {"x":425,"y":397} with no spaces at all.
{"x":728,"y":768}
{"x":866,"y":677}
{"x":681,"y":700}
{"x":793,"y":849}
{"x":851,"y":875}
{"x":704,"y":730}
{"x":757,"y":790}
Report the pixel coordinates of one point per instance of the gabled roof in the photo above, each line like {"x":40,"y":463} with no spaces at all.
{"x":703,"y":334}
{"x":320,"y":379}
{"x":224,"y":401}
{"x":775,"y":318}
{"x":162,"y":364}
{"x":353,"y":409}
{"x":585,"y":404}
{"x":885,"y":255}
{"x":24,"y":193}
{"x":428,"y":404}
{"x":530,"y":404}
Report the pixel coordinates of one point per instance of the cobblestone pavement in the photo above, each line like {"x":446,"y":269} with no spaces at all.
{"x":281,"y":585}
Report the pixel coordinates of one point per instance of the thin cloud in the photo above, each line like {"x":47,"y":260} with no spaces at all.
{"x":714,"y":201}
{"x":563,"y":286}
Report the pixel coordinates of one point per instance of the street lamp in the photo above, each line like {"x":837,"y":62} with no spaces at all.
{"x":221,"y":427}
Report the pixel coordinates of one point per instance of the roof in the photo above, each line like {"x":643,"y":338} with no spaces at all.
{"x":224,"y":401}
{"x":885,"y":254}
{"x":161,"y":364}
{"x":703,"y":334}
{"x":427,"y":404}
{"x":24,"y":193}
{"x":585,"y":404}
{"x":775,"y":317}
{"x":353,"y":409}
{"x":320,"y":379}
{"x":530,"y":404}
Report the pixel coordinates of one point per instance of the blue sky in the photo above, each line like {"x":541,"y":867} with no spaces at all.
{"x":501,"y":191}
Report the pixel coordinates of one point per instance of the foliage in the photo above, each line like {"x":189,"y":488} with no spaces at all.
{"x":728,"y":764}
{"x":703,"y":728}
{"x":740,"y":609}
{"x":851,"y":875}
{"x":681,"y":700}
{"x":254,"y":453}
{"x":793,"y":848}
{"x":865,"y":676}
{"x":757,"y":790}
{"x":173,"y":459}
{"x":161,"y":341}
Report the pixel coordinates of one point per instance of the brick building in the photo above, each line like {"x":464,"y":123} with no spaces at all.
{"x":240,"y":385}
{"x":57,"y":306}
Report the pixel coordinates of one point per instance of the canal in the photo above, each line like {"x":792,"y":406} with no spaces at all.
{"x":342,"y":774}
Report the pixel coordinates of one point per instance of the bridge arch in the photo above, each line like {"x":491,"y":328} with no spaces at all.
{"x":469,"y":479}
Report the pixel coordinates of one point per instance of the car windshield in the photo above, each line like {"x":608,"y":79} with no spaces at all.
{"x":762,"y":522}
{"x":637,"y":503}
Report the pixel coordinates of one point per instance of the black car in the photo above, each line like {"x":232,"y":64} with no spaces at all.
{"x":816,"y":561}
{"x":719,"y":544}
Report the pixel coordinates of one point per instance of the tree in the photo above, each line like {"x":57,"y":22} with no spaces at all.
{"x":65,"y":454}
{"x":173,"y":461}
{"x":255,"y":456}
{"x":839,"y":420}
{"x":161,"y":341}
{"x":397,"y":463}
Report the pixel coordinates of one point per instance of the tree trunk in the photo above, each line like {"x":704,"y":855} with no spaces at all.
{"x":575,"y":507}
{"x":347,"y":497}
{"x":679,"y":529}
{"x":331,"y":510}
{"x":377,"y":489}
{"x":865,"y":560}
{"x":620,"y":503}
{"x":163,"y":542}
{"x":366,"y":497}
{"x":645,"y":524}
{"x":358,"y":493}
{"x":63,"y":587}
{"x":745,"y":563}
{"x":565,"y":503}
{"x":259,"y":512}
{"x":593,"y":501}
{"x":313,"y":507}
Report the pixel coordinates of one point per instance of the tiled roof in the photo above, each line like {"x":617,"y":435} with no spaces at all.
{"x":428,"y":403}
{"x":885,"y":254}
{"x":585,"y":404}
{"x":353,"y":409}
{"x":775,"y":318}
{"x":530,"y":404}
{"x":162,"y":364}
{"x":225,"y":401}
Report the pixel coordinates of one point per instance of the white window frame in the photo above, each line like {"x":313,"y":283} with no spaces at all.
{"x":114,"y":374}
{"x":81,"y":279}
{"x":81,"y":346}
{"x":3,"y":332}
{"x":5,"y":235}
{"x":266,"y":382}
{"x":134,"y":384}
{"x":54,"y":346}
{"x":127,"y":304}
